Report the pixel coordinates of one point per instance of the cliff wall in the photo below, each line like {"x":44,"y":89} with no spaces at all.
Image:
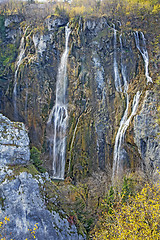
{"x":101,"y":53}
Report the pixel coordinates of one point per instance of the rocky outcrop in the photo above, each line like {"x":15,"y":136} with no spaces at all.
{"x":55,"y":22}
{"x":21,"y":192}
{"x":14,"y":143}
{"x":146,"y":132}
{"x":21,"y":202}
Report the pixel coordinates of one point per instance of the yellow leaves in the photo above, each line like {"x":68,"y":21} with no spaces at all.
{"x":156,"y":9}
{"x":77,"y":11}
{"x":137,"y":218}
{"x":7,"y":219}
{"x":33,"y":232}
{"x":2,"y":223}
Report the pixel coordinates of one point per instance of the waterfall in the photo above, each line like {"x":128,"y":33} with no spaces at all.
{"x":124,"y":121}
{"x":143,"y":50}
{"x":18,"y":63}
{"x":123,"y":67}
{"x":116,"y":73}
{"x":100,"y":114}
{"x":99,"y":77}
{"x":59,"y":114}
{"x":121,"y":133}
{"x":118,"y":140}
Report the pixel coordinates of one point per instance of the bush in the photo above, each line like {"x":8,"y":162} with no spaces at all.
{"x":138,"y":217}
{"x":35,"y":158}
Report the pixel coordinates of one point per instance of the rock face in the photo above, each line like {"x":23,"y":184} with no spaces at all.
{"x":146,"y":132}
{"x":100,"y":53}
{"x":24,"y":206}
{"x":20,"y":198}
{"x":14,"y":143}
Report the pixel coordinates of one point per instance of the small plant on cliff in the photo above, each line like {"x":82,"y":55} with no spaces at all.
{"x":35,"y":158}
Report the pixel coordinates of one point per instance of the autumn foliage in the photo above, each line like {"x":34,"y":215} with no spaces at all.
{"x":130,"y":215}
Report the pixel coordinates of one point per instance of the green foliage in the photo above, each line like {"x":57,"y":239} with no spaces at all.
{"x":108,"y":202}
{"x":8,"y":51}
{"x":127,"y":189}
{"x":35,"y":158}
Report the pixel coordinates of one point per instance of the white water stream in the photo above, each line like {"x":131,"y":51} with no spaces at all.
{"x":116,"y":73}
{"x":124,"y":121}
{"x":143,"y":50}
{"x":59,"y":114}
{"x":18,"y":63}
{"x":124,"y":124}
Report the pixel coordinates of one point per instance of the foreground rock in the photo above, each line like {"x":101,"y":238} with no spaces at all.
{"x":21,"y":192}
{"x":24,"y":206}
{"x":14,"y":143}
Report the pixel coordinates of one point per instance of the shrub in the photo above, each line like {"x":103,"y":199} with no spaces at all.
{"x":35,"y":158}
{"x":138,"y":217}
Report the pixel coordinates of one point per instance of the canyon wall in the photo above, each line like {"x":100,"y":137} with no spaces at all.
{"x":108,"y":80}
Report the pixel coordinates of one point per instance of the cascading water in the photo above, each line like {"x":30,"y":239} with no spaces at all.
{"x":101,"y":113}
{"x":100,"y":83}
{"x":121,"y":133}
{"x":59,"y":114}
{"x":118,"y":140}
{"x":117,"y":165}
{"x":124,"y":121}
{"x":18,"y":63}
{"x":123,"y":67}
{"x":143,"y":50}
{"x":116,"y":73}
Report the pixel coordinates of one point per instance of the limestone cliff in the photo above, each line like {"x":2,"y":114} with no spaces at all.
{"x":146,"y":131}
{"x":103,"y":57}
{"x":14,"y":143}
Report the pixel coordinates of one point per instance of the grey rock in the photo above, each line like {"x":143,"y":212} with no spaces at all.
{"x":14,"y":142}
{"x":53,"y":23}
{"x":24,"y":206}
{"x":96,"y":24}
{"x":12,"y":19}
{"x":40,"y":42}
{"x":146,"y":131}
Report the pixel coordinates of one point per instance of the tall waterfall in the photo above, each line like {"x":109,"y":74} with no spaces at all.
{"x":124,"y":121}
{"x":121,"y":133}
{"x":18,"y":63}
{"x":116,"y":73}
{"x":118,"y":140}
{"x":143,"y":50}
{"x":59,"y":114}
